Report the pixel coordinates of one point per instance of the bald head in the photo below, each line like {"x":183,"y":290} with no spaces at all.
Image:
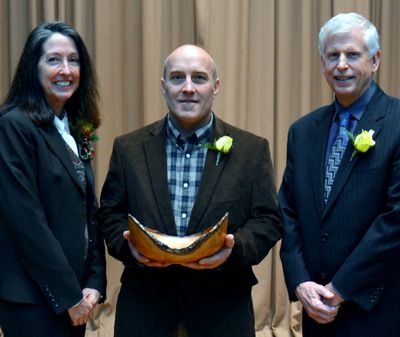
{"x":189,"y":51}
{"x":189,"y":86}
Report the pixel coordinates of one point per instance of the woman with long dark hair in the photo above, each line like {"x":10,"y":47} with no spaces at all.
{"x":51,"y":256}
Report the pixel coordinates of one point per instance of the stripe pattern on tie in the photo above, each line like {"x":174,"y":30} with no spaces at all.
{"x":336,"y":154}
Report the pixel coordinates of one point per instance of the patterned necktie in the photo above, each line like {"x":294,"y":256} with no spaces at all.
{"x":336,"y":154}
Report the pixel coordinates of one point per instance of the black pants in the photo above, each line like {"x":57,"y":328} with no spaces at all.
{"x":27,"y":320}
{"x":157,"y":312}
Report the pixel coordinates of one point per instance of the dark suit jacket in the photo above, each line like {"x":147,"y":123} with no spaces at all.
{"x":42,"y":209}
{"x":241,"y":184}
{"x":354,"y":240}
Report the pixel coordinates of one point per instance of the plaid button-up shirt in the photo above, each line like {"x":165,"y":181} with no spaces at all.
{"x":185,"y":160}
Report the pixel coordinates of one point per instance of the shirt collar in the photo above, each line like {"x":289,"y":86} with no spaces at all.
{"x":201,"y":133}
{"x":357,"y":108}
{"x":61,"y":124}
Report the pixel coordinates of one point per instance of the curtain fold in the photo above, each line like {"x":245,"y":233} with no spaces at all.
{"x":268,"y":62}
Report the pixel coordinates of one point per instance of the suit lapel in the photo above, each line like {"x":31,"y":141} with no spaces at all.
{"x":90,"y":181}
{"x":57,"y":145}
{"x":209,"y":179}
{"x":89,"y":173}
{"x":156,"y":159}
{"x":371,"y":119}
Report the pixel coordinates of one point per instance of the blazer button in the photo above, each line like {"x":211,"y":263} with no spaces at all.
{"x":322,"y":276}
{"x":325,"y":237}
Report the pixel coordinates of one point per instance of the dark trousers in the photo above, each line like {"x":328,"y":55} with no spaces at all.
{"x":157,"y":312}
{"x":27,"y":320}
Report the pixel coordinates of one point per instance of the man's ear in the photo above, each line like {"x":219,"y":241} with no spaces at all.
{"x":163,"y":91}
{"x":322,"y":59}
{"x":376,"y":60}
{"x":217,"y":83}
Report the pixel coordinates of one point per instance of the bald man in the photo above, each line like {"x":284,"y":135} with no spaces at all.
{"x":164,"y":176}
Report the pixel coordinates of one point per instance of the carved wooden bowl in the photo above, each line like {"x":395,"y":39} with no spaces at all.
{"x":174,"y":249}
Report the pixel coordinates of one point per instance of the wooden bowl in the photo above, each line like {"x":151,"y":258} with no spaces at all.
{"x":174,"y":249}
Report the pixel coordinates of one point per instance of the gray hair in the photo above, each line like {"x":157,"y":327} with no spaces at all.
{"x":346,"y":22}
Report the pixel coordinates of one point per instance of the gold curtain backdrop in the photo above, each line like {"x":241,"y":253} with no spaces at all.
{"x":268,"y":63}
